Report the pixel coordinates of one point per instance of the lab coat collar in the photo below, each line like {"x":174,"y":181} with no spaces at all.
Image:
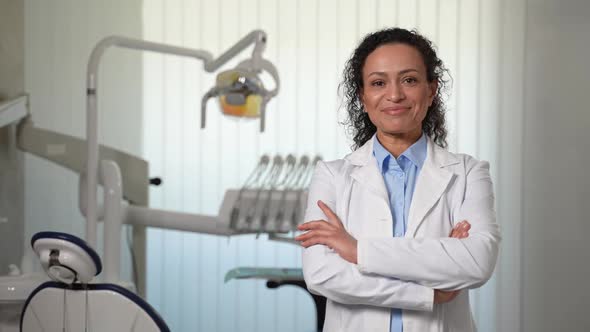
{"x":367,"y":173}
{"x":431,"y":184}
{"x":436,"y":156}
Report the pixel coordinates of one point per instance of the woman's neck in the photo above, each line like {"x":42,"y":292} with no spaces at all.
{"x":396,"y":143}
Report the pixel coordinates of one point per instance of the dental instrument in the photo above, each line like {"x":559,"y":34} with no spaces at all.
{"x":274,"y":202}
{"x":251,"y":181}
{"x":267,"y":183}
{"x":290,"y":160}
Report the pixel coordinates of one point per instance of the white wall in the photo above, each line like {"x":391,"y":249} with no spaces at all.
{"x":542,"y":184}
{"x":508,"y":184}
{"x":556,"y":154}
{"x":59,"y":36}
{"x":12,"y":76}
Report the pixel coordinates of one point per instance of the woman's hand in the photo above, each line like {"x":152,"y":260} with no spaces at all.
{"x":330,"y":233}
{"x":441,"y":296}
{"x":460,"y":231}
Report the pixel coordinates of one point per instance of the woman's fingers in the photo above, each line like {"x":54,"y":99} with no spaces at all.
{"x":329,"y":213}
{"x":441,"y":296}
{"x":460,"y":235}
{"x":315,"y":224}
{"x":465,"y":226}
{"x":461,"y":230}
{"x":315,"y":237}
{"x":313,"y":242}
{"x":317,"y":232}
{"x":312,"y":234}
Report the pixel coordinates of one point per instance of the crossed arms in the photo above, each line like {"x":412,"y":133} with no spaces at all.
{"x":399,"y":272}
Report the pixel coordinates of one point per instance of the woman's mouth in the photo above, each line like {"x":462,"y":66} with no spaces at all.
{"x":396,"y":110}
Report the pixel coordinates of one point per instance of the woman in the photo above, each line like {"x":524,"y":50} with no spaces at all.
{"x":398,"y":228}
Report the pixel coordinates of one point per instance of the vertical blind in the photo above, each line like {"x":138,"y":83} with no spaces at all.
{"x":309,"y":41}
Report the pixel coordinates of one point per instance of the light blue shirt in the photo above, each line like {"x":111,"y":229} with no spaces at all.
{"x":400,"y":177}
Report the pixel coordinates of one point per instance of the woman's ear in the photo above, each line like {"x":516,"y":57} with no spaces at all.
{"x":362,"y":99}
{"x":432,"y":87}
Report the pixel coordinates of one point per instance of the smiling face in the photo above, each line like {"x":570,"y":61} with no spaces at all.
{"x":396,"y":93}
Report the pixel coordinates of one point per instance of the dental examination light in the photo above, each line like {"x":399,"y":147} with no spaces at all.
{"x":240,"y":91}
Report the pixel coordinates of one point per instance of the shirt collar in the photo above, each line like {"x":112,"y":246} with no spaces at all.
{"x":381,"y":154}
{"x":416,"y":153}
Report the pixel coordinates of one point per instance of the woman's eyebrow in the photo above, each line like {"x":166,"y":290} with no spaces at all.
{"x":377,"y":73}
{"x":405,"y":71}
{"x":383,"y":74}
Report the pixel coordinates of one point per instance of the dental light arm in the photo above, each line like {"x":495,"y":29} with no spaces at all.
{"x":254,"y":65}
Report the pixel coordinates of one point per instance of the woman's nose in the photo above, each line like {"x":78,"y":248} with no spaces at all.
{"x":395,"y":92}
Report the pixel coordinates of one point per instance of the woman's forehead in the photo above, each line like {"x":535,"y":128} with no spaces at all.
{"x":394,"y":58}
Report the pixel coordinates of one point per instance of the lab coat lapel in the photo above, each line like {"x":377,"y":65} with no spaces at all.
{"x":367,"y":173}
{"x":369,"y":176}
{"x":432,"y":182}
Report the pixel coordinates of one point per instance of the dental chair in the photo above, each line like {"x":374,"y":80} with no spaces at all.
{"x":71,"y":303}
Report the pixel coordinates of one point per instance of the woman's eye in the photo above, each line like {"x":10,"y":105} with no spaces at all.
{"x":378,"y":83}
{"x":410,"y":80}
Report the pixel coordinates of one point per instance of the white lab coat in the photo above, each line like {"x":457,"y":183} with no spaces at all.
{"x":450,"y":188}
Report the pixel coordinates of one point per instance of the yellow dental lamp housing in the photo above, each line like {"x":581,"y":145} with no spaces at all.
{"x":239,"y":97}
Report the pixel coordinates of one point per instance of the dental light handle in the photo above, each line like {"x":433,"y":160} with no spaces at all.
{"x":257,"y":37}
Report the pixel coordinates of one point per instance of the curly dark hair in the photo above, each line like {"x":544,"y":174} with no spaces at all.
{"x":358,"y":124}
